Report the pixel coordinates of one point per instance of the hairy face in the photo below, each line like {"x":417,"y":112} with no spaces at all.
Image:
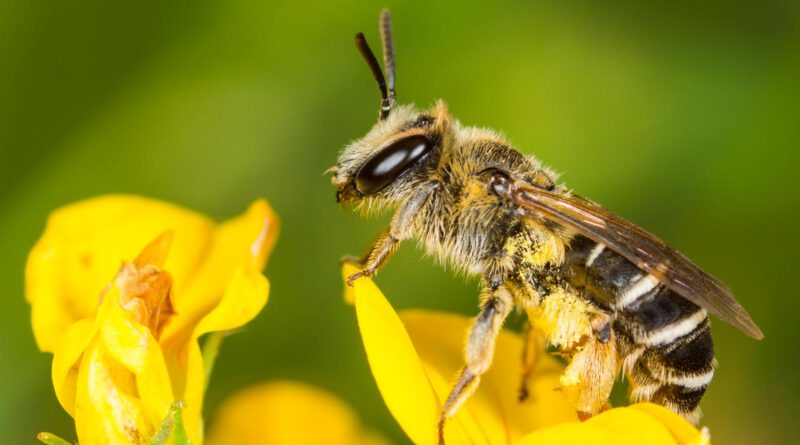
{"x":382,"y":168}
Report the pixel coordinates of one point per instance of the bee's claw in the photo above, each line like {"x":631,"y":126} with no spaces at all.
{"x":440,"y":430}
{"x":352,"y":278}
{"x":523,"y":394}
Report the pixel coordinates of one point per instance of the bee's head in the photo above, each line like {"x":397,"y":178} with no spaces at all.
{"x":398,"y":152}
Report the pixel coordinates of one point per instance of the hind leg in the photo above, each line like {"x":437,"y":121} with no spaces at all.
{"x":588,"y":379}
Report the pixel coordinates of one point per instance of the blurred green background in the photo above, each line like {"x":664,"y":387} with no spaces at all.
{"x":682,"y":117}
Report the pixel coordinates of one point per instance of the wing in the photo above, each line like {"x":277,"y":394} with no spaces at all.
{"x":641,"y":248}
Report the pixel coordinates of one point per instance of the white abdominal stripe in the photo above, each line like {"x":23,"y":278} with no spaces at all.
{"x":595,"y":252}
{"x":692,"y":381}
{"x":671,"y":332}
{"x":636,"y":290}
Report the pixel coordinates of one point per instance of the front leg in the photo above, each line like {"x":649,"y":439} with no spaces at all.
{"x":386,"y":245}
{"x":480,"y":349}
{"x":376,"y":257}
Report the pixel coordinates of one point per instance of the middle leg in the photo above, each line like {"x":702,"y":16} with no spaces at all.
{"x":496,"y":306}
{"x":533,"y":343}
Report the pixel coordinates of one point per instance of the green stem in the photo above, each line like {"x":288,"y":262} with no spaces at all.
{"x":179,"y":436}
{"x":210,"y":352}
{"x":172,"y":427}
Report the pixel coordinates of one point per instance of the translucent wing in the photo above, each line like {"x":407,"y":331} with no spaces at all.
{"x":641,"y":248}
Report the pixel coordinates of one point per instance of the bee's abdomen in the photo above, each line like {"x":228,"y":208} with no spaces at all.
{"x":663,"y":339}
{"x":667,"y":349}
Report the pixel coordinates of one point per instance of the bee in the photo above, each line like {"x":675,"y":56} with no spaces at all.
{"x":608,"y":295}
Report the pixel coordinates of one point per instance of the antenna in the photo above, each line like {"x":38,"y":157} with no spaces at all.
{"x":387,"y":94}
{"x":388,"y":53}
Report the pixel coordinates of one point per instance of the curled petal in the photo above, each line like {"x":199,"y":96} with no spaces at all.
{"x":225,"y":292}
{"x":125,"y":351}
{"x":83,"y":246}
{"x":125,"y":341}
{"x":239,"y":248}
{"x":243,"y":298}
{"x":109,"y":373}
{"x":134,"y":347}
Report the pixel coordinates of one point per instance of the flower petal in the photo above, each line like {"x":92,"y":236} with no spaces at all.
{"x":495,"y":408}
{"x":107,"y":409}
{"x":119,"y":371}
{"x":66,"y":359}
{"x":683,"y":431}
{"x":349,"y":292}
{"x":124,"y":340}
{"x":133,"y":346}
{"x":83,"y":246}
{"x":434,"y":342}
{"x":155,"y":253}
{"x":287,"y":413}
{"x":244,"y":297}
{"x":397,"y":370}
{"x":621,"y":426}
{"x":239,"y":247}
{"x":226,"y":291}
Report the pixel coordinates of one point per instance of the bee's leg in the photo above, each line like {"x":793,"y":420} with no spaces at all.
{"x":386,"y":245}
{"x":380,"y":251}
{"x":601,"y":326}
{"x":528,"y":359}
{"x":590,"y":376}
{"x":480,"y":349}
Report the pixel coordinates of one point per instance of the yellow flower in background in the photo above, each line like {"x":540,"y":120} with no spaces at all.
{"x":283,"y":412}
{"x":415,"y":356}
{"x":124,"y":351}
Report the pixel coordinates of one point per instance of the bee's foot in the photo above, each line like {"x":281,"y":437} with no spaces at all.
{"x":364,"y":273}
{"x":523,"y":394}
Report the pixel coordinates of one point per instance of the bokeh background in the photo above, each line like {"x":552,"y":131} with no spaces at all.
{"x":683,"y":117}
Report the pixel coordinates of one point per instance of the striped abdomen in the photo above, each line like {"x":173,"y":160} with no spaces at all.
{"x":664,"y":340}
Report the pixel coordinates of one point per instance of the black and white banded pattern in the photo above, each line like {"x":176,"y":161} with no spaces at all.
{"x":664,"y":341}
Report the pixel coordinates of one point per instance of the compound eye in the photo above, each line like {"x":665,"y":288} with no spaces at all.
{"x":386,"y":165}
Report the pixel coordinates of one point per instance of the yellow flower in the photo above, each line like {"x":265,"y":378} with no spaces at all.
{"x":284,"y":412}
{"x":414,"y":357}
{"x":124,"y":351}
